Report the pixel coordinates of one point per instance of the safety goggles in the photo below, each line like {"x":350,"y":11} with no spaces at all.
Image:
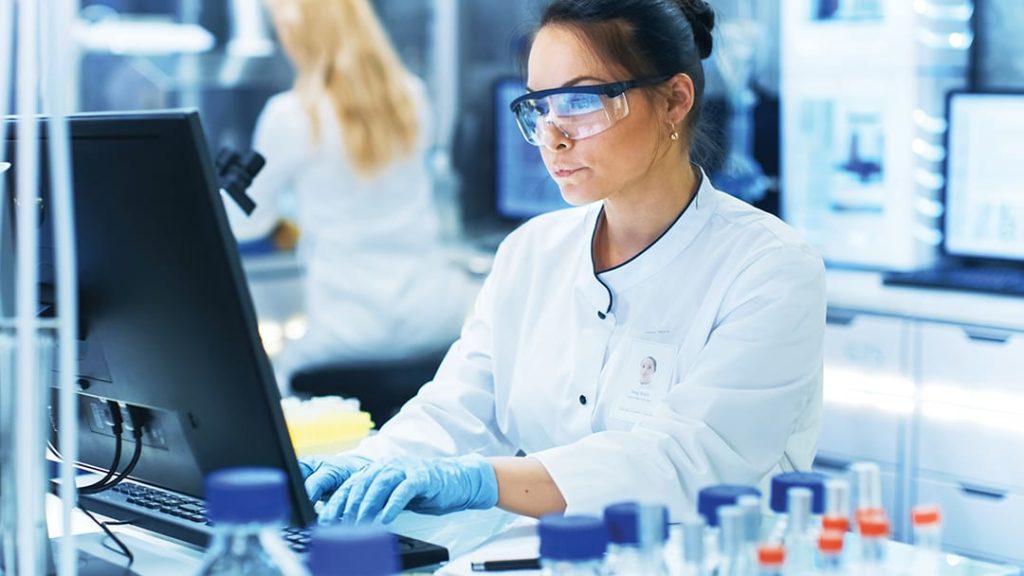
{"x":576,"y":112}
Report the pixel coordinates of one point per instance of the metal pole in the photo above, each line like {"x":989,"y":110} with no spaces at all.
{"x":28,"y":450}
{"x":62,"y":201}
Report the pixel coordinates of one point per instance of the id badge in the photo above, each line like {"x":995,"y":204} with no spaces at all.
{"x":643,"y":378}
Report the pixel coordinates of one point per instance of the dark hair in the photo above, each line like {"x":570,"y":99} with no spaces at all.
{"x":645,"y":37}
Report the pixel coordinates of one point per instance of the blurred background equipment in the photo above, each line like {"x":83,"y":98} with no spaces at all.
{"x":864,"y":89}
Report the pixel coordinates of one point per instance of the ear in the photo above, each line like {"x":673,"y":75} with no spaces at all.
{"x":679,"y":99}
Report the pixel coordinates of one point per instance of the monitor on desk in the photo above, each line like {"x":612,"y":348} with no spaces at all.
{"x":523,"y":188}
{"x":166,"y":321}
{"x":984,"y":215}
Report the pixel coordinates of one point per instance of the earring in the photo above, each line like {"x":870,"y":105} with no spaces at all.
{"x":674,"y":135}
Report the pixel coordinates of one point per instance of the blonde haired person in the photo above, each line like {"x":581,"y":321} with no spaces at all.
{"x":349,"y":140}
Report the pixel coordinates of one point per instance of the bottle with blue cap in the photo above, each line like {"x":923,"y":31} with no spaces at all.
{"x":353,"y":551}
{"x":248,"y":507}
{"x":781,"y":483}
{"x":572,"y":545}
{"x":637,"y":535}
{"x":709,"y":500}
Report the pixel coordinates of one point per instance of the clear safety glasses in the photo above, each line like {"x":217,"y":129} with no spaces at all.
{"x":576,"y":112}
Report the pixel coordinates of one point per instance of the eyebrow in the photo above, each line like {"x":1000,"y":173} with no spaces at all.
{"x":573,"y":82}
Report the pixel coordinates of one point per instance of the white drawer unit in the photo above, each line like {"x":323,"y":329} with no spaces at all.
{"x":978,"y":445}
{"x":864,"y":431}
{"x":978,"y":520}
{"x":864,"y":344}
{"x":977,"y":358}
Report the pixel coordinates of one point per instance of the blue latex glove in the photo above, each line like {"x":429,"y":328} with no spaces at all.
{"x":323,"y":476}
{"x":428,"y":485}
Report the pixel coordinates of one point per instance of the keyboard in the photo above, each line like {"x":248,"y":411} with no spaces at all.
{"x":184,"y":518}
{"x":997,"y":280}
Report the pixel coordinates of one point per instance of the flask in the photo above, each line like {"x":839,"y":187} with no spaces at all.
{"x":637,"y":534}
{"x":248,"y":507}
{"x":572,"y":545}
{"x":353,"y":551}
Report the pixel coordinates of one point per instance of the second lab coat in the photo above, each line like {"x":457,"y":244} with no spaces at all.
{"x":729,"y":302}
{"x":378,"y":283}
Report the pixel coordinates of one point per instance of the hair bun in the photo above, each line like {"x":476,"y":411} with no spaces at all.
{"x":702,"y":20}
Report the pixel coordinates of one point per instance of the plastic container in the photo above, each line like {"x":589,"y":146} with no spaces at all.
{"x":836,"y":517}
{"x":874,"y":529}
{"x":709,"y":500}
{"x":637,"y":534}
{"x":867,"y":479}
{"x":572,"y":545}
{"x":830,"y":553}
{"x":751,"y":507}
{"x":248,"y":507}
{"x":927,"y":520}
{"x":733,"y":560}
{"x":353,"y":551}
{"x":770,"y":559}
{"x":781,"y":484}
{"x":693,"y":560}
{"x":801,"y":536}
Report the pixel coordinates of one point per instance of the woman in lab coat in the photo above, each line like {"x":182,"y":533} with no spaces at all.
{"x":349,"y":141}
{"x":727,"y":301}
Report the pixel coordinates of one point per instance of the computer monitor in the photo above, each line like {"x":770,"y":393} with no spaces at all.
{"x":523,"y":188}
{"x":166,"y":320}
{"x":984,"y":215}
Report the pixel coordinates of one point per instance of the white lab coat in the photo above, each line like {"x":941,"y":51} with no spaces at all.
{"x":378,"y":283}
{"x":729,"y":301}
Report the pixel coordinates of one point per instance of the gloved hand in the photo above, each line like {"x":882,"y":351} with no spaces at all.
{"x":323,"y":476}
{"x":428,"y":485}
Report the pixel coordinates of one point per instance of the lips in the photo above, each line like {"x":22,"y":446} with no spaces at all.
{"x":565,"y":172}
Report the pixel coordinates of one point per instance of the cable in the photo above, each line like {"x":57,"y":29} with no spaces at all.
{"x":124,"y":551}
{"x":118,"y":429}
{"x":136,"y":454}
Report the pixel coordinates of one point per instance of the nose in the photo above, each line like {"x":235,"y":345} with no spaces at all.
{"x":552,"y":137}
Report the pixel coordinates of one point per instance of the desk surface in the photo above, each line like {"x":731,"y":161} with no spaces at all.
{"x":471,"y":536}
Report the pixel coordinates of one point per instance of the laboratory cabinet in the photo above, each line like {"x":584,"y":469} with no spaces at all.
{"x":930,"y":385}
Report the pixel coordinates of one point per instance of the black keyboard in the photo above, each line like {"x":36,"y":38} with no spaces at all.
{"x":184,"y":518}
{"x":996,"y":280}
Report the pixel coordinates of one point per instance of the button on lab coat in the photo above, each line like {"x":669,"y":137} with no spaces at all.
{"x":729,"y":301}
